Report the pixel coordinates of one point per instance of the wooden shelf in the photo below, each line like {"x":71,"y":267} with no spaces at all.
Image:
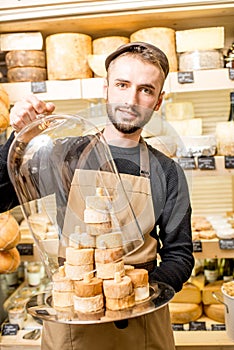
{"x":211,"y":249}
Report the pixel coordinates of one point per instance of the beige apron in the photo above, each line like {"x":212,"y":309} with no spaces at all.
{"x":150,"y":332}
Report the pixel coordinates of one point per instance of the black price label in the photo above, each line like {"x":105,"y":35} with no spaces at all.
{"x":229,"y":162}
{"x":197,"y":326}
{"x":187,"y":163}
{"x":38,"y":86}
{"x":197,"y":246}
{"x":177,"y":327}
{"x":231,"y":73}
{"x":218,"y":327}
{"x":206,"y":163}
{"x":42,"y":312}
{"x":185,"y":77}
{"x":25,"y":248}
{"x":226,"y":244}
{"x":10,"y":329}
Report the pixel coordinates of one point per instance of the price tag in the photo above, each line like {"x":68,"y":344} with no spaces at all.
{"x":231,"y":73}
{"x":229,"y":162}
{"x":10,"y":329}
{"x":197,"y":326}
{"x":187,"y":163}
{"x":218,"y":327}
{"x":206,"y":163}
{"x":38,"y":86}
{"x":177,"y":327}
{"x":42,"y":312}
{"x":185,"y":77}
{"x":226,"y":244}
{"x":197,"y":246}
{"x":25,"y":248}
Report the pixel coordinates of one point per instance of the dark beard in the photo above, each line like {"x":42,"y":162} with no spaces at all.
{"x":127,"y":128}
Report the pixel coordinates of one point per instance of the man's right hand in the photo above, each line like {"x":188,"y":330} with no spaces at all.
{"x":27,"y":110}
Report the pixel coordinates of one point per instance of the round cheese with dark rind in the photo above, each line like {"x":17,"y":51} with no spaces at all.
{"x":25,"y":58}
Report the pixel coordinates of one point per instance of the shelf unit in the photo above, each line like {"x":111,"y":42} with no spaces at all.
{"x":120,"y":17}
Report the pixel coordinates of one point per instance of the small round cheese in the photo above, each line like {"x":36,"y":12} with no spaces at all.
{"x":120,"y":304}
{"x":88,"y":304}
{"x":139,"y":277}
{"x":79,"y":256}
{"x":107,"y":271}
{"x":117,"y":290}
{"x":89,"y":288}
{"x":108,"y":255}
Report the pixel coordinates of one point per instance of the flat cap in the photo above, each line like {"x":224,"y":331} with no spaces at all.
{"x":134,"y":46}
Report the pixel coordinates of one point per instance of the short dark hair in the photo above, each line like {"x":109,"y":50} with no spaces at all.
{"x":155,"y":55}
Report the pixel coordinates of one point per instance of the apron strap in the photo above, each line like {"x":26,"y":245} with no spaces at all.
{"x":144,"y":159}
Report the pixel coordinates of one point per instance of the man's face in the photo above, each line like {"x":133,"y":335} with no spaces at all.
{"x":133,"y":93}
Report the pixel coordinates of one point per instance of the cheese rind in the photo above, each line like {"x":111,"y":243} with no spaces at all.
{"x":107,"y":271}
{"x":89,"y":304}
{"x":184,"y":313}
{"x":215,"y":311}
{"x":75,"y":272}
{"x":79,"y":256}
{"x":62,"y":298}
{"x":117,"y":290}
{"x":25,"y":58}
{"x":88,"y":289}
{"x":21,"y":41}
{"x":139,"y":277}
{"x":200,"y":39}
{"x":109,"y":240}
{"x":120,"y":304}
{"x":104,"y":256}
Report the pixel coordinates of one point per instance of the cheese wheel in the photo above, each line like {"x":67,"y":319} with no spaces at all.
{"x":117,"y":290}
{"x":79,"y":256}
{"x":108,"y":44}
{"x":120,"y":304}
{"x":9,"y":231}
{"x":25,"y":58}
{"x":141,"y":293}
{"x":98,"y":202}
{"x":89,"y":304}
{"x":21,"y":41}
{"x":91,"y":315}
{"x":215,"y":311}
{"x":82,"y":240}
{"x":92,"y":216}
{"x":184,"y":313}
{"x":109,"y":240}
{"x":4,"y":116}
{"x":67,"y":56}
{"x":20,"y":74}
{"x":62,"y":299}
{"x":163,"y":38}
{"x":98,"y":229}
{"x":4,"y":97}
{"x":108,"y":255}
{"x":76,"y":272}
{"x":10,"y":260}
{"x":139,"y":277}
{"x":188,"y":294}
{"x":209,"y":289}
{"x":107,"y":271}
{"x":200,"y":39}
{"x":90,"y":288}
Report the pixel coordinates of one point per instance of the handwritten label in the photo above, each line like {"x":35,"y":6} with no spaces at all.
{"x":10,"y":329}
{"x":38,"y":86}
{"x":218,"y":327}
{"x":187,"y":163}
{"x":226,"y":244}
{"x":25,"y":248}
{"x":197,"y":326}
{"x":206,"y":163}
{"x":231,"y":73}
{"x":197,"y":246}
{"x":185,"y":77}
{"x":229,"y":162}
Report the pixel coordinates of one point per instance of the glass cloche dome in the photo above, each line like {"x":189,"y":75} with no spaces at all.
{"x":70,"y":190}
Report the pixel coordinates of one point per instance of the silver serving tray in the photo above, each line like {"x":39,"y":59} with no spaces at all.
{"x":40,"y":306}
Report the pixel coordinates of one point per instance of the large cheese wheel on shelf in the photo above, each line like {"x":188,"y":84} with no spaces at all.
{"x":163,"y":38}
{"x":19,"y":74}
{"x":25,"y":58}
{"x":188,"y":294}
{"x":208,"y":290}
{"x":108,"y":44}
{"x":10,"y":260}
{"x":215,"y":312}
{"x":67,"y":56}
{"x":21,"y":41}
{"x":4,"y":116}
{"x":184,"y":313}
{"x":9,"y":231}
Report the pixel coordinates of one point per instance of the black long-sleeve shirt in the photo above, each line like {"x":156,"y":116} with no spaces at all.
{"x":169,"y":191}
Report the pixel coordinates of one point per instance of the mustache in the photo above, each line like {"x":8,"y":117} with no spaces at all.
{"x":129,"y":108}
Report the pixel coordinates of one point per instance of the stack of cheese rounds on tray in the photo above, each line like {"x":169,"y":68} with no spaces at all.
{"x":9,"y":238}
{"x":94,"y":278}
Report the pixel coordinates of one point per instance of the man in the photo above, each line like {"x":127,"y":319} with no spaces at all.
{"x":135,"y":76}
